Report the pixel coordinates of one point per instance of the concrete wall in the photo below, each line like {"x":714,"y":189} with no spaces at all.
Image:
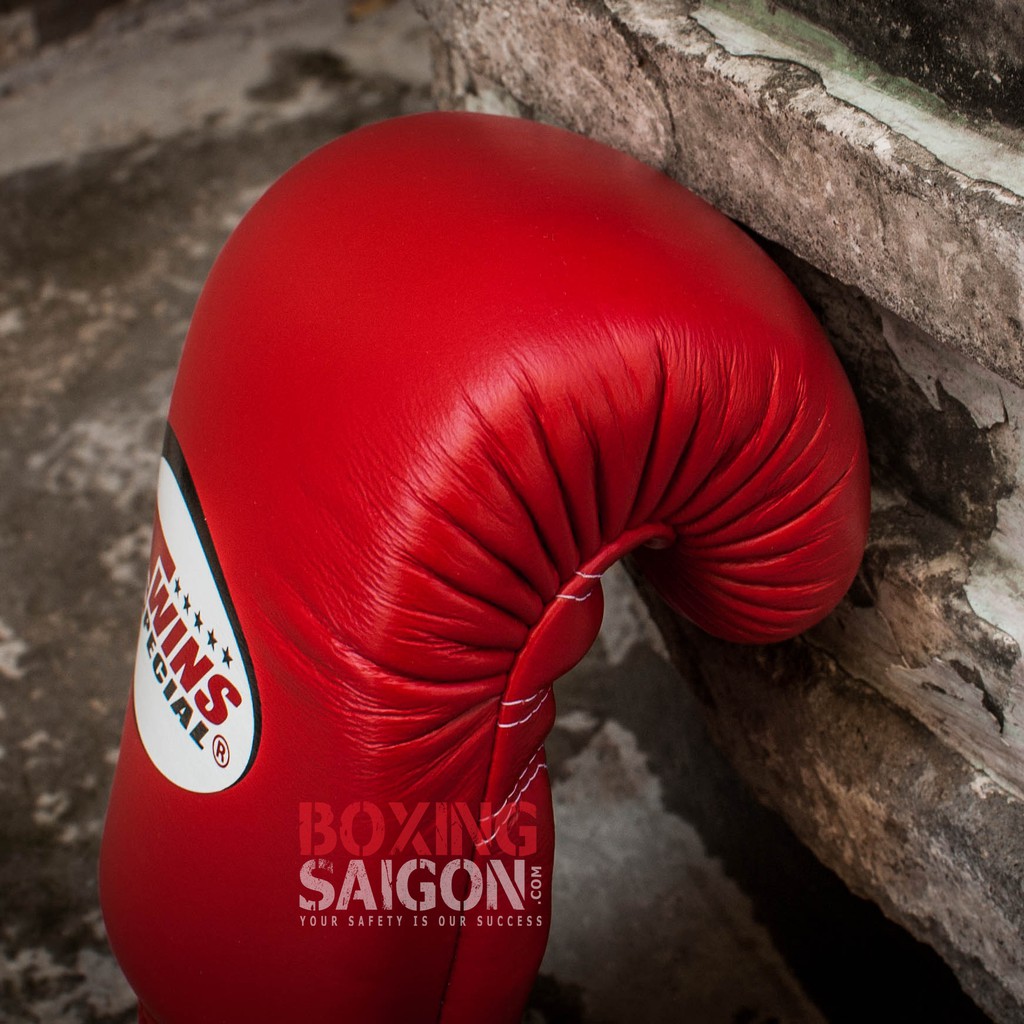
{"x":892,"y":737}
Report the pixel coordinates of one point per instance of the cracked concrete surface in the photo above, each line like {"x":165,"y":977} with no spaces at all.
{"x":127,"y":157}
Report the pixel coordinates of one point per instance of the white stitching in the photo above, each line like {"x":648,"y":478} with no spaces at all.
{"x":524,"y":700}
{"x":582,"y":576}
{"x":517,"y":791}
{"x":525,"y":786}
{"x":520,"y":721}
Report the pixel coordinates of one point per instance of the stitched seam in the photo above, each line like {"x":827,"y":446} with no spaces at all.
{"x":520,"y":721}
{"x":517,"y":791}
{"x":524,"y":700}
{"x":510,"y":799}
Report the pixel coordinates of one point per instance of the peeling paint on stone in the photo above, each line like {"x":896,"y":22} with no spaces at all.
{"x":997,"y":597}
{"x":946,"y":439}
{"x":978,"y":390}
{"x":892,"y":807}
{"x":749,"y":29}
{"x":970,"y":55}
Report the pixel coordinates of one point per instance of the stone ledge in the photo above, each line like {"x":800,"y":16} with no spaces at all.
{"x":763,"y":140}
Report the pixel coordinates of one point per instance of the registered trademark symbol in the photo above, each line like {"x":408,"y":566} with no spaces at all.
{"x":221,"y":752}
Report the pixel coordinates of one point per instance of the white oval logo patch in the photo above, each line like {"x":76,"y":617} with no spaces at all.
{"x":195,"y":699}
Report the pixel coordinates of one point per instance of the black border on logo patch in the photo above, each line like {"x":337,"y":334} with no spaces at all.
{"x":179,"y":467}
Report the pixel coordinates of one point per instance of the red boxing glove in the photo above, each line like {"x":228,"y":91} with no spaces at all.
{"x":447,"y":371}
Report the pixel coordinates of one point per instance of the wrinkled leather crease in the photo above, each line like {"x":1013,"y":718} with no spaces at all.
{"x":447,"y":371}
{"x":659,"y":505}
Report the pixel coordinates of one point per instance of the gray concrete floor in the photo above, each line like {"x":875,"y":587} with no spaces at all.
{"x":126,"y":157}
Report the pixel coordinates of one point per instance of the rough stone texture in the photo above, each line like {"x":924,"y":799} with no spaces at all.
{"x":970,"y":54}
{"x":900,"y":816}
{"x":890,"y":738}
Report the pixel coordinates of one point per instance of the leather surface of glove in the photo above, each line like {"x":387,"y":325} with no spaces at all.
{"x":448,"y":370}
